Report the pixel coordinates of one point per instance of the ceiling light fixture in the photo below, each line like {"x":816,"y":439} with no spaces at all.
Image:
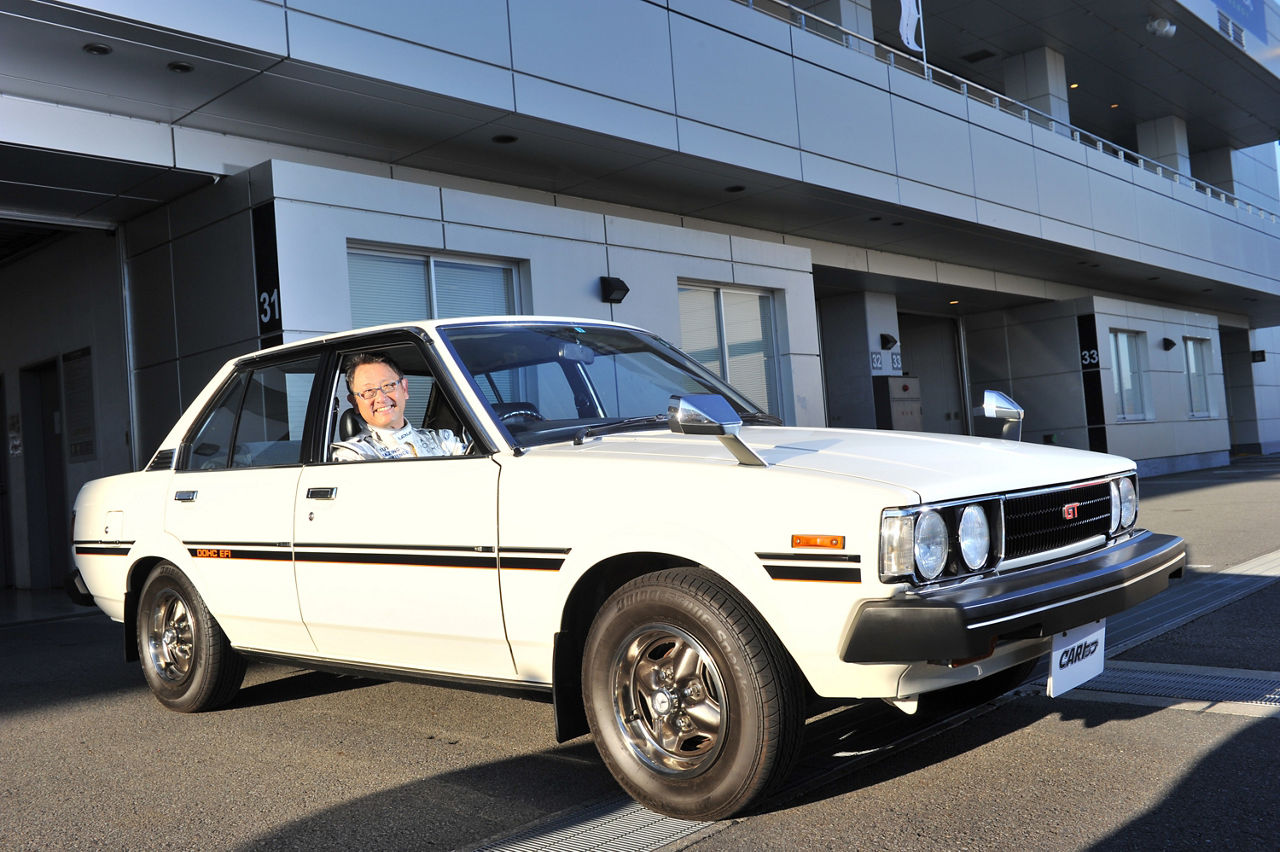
{"x":179,"y":67}
{"x":1161,"y":27}
{"x":504,"y":139}
{"x":735,"y":188}
{"x":97,"y":48}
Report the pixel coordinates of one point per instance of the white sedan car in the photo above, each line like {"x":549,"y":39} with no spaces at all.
{"x":624,"y":535}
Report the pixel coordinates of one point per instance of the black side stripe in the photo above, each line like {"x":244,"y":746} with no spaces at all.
{"x":83,"y":550}
{"x":451,"y":561}
{"x":815,"y":573}
{"x":809,"y":557}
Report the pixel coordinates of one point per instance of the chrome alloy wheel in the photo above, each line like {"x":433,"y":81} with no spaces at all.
{"x":170,"y":637}
{"x":669,"y":700}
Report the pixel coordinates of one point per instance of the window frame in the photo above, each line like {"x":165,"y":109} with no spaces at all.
{"x":1137,"y":374}
{"x":245,"y":367}
{"x":773,"y":403}
{"x":430,"y":276}
{"x":1204,"y":350}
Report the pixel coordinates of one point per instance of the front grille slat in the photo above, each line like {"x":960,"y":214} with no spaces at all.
{"x":1038,"y":522}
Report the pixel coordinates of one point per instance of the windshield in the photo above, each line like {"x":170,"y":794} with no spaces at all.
{"x":548,"y":382}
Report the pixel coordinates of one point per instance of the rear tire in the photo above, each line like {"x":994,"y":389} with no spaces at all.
{"x":186,"y":658}
{"x":694,"y":705}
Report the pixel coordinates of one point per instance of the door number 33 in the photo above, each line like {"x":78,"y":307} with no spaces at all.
{"x":1088,"y":357}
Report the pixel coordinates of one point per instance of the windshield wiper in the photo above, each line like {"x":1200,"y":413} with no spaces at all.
{"x":762,"y":419}
{"x":618,"y":426}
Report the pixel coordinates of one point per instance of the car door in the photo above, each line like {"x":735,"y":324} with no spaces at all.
{"x":231,"y":500}
{"x":396,"y":561}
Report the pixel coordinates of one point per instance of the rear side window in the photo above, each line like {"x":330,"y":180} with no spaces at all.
{"x":257,"y":420}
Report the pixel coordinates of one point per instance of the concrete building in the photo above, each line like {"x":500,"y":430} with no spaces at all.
{"x":860,"y":218}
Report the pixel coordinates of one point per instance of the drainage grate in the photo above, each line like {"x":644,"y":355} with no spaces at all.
{"x":612,"y":824}
{"x":1183,"y":683}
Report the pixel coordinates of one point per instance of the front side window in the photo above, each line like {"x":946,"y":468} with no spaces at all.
{"x":731,"y":333}
{"x":1197,"y":350}
{"x":389,"y":287}
{"x":548,"y":382}
{"x":257,"y":420}
{"x":1128,"y":357}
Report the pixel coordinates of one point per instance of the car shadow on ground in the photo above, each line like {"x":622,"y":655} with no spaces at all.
{"x":291,"y":685}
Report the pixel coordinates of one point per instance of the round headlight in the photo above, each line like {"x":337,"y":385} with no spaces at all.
{"x":975,"y":537}
{"x":930,"y":545}
{"x":1128,"y":502}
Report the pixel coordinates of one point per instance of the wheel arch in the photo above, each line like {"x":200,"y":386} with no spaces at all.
{"x":589,"y":593}
{"x":134,"y":581}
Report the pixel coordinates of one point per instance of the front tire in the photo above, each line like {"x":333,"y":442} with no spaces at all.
{"x":694,"y":705}
{"x":186,"y":658}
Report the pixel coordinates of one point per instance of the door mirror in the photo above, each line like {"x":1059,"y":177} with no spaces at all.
{"x":998,"y":417}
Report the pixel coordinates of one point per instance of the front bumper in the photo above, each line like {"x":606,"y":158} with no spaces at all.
{"x":966,"y":621}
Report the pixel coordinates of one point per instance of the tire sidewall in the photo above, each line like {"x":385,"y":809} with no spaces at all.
{"x":190,"y":692}
{"x":734,"y":775}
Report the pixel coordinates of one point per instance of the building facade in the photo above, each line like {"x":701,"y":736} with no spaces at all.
{"x":859,"y":218}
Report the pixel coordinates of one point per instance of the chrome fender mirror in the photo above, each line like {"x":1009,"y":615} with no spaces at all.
{"x":998,"y":417}
{"x":711,"y":414}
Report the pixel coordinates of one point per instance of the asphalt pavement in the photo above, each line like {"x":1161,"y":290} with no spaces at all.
{"x":1173,"y":747}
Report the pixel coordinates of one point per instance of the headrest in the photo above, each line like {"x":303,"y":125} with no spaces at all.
{"x":349,"y":425}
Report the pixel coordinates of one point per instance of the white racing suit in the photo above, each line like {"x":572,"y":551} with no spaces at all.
{"x":373,"y":444}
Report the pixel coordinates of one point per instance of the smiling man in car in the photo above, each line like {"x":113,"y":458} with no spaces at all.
{"x":378,"y":390}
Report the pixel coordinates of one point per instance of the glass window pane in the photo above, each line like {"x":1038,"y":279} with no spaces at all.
{"x":748,"y":331}
{"x":1198,"y":374}
{"x":212,"y":441}
{"x":473,"y":290}
{"x":700,"y":328}
{"x":274,"y":413}
{"x":386,"y":288}
{"x":1126,"y":350}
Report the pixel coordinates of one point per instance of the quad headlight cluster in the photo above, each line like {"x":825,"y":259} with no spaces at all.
{"x":928,"y":542}
{"x":941,"y":541}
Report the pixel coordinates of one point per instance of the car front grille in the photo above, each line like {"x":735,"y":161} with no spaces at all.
{"x":1035,"y":523}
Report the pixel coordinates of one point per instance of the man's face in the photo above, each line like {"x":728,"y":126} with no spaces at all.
{"x":384,"y":410}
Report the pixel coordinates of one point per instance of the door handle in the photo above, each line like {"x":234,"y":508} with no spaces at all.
{"x":321,"y":493}
{"x":184,"y":496}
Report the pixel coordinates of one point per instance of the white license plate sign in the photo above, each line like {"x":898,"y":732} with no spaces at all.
{"x":1077,"y":656}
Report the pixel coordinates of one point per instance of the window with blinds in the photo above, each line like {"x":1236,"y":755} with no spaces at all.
{"x":387,"y":287}
{"x":731,"y":333}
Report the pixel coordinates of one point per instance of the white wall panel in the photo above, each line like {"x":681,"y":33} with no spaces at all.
{"x":568,"y":105}
{"x":727,"y":81}
{"x":720,"y":145}
{"x":932,"y":147}
{"x":1062,"y":189}
{"x":255,"y":24}
{"x":1004,"y":169}
{"x":381,"y":57}
{"x":843,"y":118}
{"x":620,"y":49}
{"x":481,"y":33}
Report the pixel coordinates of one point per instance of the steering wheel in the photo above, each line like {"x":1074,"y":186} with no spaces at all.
{"x":527,"y":413}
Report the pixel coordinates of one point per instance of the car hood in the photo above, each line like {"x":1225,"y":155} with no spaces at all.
{"x":935,"y":466}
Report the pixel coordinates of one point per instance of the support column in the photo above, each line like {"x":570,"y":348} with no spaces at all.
{"x":1249,"y":173}
{"x":1165,"y":141}
{"x":1038,"y":78}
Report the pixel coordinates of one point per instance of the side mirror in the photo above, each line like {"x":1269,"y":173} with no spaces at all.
{"x":711,"y":414}
{"x":998,"y":417}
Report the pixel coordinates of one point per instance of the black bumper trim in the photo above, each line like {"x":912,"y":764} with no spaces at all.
{"x":966,"y":621}
{"x":78,"y":590}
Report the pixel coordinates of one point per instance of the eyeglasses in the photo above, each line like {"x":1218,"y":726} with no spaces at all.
{"x":387,"y":388}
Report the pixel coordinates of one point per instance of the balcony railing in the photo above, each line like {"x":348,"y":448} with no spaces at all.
{"x":897,"y":59}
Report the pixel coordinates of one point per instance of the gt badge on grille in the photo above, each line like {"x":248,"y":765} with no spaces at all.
{"x":1071,"y":511}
